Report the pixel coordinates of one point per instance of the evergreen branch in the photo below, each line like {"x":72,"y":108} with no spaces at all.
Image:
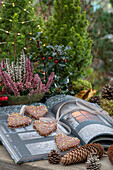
{"x":15,"y":5}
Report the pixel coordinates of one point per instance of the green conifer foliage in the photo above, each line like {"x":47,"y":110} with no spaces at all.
{"x":68,"y":26}
{"x":18,"y":23}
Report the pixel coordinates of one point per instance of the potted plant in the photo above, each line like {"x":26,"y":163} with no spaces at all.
{"x":22,"y":85}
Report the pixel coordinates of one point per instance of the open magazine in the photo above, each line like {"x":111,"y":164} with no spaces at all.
{"x":88,"y":122}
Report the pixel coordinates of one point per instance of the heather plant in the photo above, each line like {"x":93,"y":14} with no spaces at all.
{"x":19,"y":78}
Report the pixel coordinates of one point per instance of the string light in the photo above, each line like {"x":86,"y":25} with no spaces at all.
{"x":25,"y":48}
{"x":23,"y":22}
{"x":44,"y":45}
{"x":30,"y":33}
{"x":19,"y":34}
{"x":29,"y":2}
{"x":5,"y":31}
{"x":3,"y":42}
{"x":13,"y":5}
{"x":12,"y":42}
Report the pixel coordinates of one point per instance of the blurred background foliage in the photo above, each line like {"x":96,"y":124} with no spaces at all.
{"x":100,"y":29}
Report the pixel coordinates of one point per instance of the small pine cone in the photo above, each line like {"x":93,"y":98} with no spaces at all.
{"x":93,"y":162}
{"x":54,"y":157}
{"x":107,"y":92}
{"x":110,"y":153}
{"x":96,"y":99}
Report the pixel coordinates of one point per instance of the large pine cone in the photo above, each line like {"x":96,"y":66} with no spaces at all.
{"x":96,"y":99}
{"x":80,"y":154}
{"x":54,"y":157}
{"x":107,"y":92}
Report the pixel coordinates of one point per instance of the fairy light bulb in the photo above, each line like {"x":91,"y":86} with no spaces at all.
{"x":7,"y":32}
{"x":30,"y":33}
{"x":13,"y":4}
{"x":10,"y":20}
{"x":25,"y":48}
{"x":23,"y":22}
{"x":18,"y":33}
{"x":3,"y":4}
{"x":24,"y":9}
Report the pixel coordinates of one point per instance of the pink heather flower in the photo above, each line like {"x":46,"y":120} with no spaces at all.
{"x":50,"y":79}
{"x":43,"y":88}
{"x":20,"y":86}
{"x":11,"y":84}
{"x":28,"y":85}
{"x":31,"y":93}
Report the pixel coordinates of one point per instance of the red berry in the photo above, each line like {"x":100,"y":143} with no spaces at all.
{"x":5,"y":98}
{"x":62,"y":59}
{"x":56,"y":61}
{"x":49,"y":58}
{"x":65,"y":60}
{"x":2,"y":99}
{"x":43,"y":58}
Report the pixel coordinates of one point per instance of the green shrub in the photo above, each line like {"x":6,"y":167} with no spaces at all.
{"x":68,"y":27}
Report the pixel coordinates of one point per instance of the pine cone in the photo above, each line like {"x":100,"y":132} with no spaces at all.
{"x":110,"y":153}
{"x":95,"y":99}
{"x":80,"y":154}
{"x":97,"y":148}
{"x":54,"y":157}
{"x":107,"y":92}
{"x":93,"y":162}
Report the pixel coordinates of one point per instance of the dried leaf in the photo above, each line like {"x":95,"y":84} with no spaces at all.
{"x":86,"y":94}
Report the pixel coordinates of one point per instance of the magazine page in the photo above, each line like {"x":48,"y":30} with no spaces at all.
{"x":25,"y":144}
{"x":84,"y":123}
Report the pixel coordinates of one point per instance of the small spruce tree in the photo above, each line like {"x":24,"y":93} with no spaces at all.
{"x":68,"y":26}
{"x":18,"y":24}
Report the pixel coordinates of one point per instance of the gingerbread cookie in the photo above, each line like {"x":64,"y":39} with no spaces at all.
{"x":65,"y":142}
{"x":36,"y":112}
{"x":45,"y":128}
{"x":15,"y":120}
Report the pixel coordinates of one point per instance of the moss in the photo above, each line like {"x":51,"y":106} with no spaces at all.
{"x":17,"y":100}
{"x":79,"y":85}
{"x":107,"y":105}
